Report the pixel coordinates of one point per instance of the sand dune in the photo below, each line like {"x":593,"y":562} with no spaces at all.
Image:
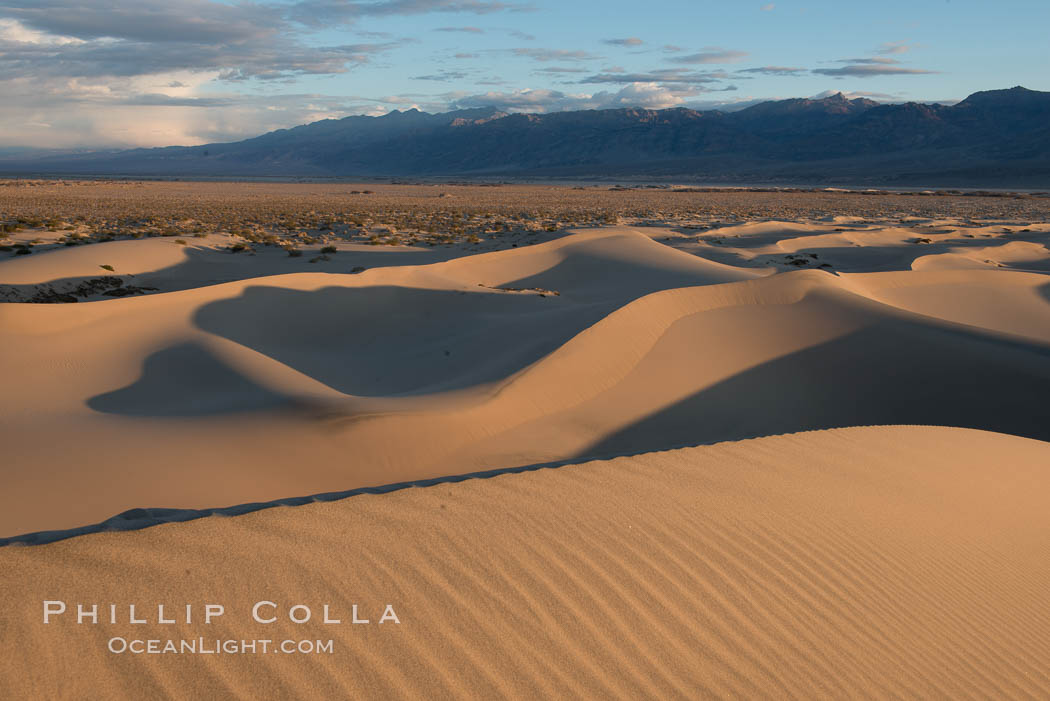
{"x":163,"y":265}
{"x":1011,"y":302}
{"x":626,"y":462}
{"x":852,"y":245}
{"x":893,"y":562}
{"x":593,"y":345}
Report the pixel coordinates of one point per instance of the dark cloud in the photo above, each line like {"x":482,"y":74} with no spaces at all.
{"x":560,"y":69}
{"x":443,"y":76}
{"x":629,"y":41}
{"x":669,"y":76}
{"x":243,"y":40}
{"x":468,"y":30}
{"x":711,"y":55}
{"x":118,"y":38}
{"x":154,"y":21}
{"x":554,"y":54}
{"x":868,"y":70}
{"x":158,"y":99}
{"x":873,"y":61}
{"x":775,"y":70}
{"x":274,"y":58}
{"x":870,"y":66}
{"x":319,"y":13}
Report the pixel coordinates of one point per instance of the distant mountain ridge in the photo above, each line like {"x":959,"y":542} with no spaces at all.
{"x":999,"y":136}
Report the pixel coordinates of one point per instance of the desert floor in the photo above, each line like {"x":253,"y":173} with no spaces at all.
{"x":728,"y":444}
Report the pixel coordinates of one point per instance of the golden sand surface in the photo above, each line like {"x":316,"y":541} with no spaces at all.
{"x":885,"y":562}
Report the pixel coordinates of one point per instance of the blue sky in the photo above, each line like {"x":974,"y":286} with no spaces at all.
{"x":84,"y":73}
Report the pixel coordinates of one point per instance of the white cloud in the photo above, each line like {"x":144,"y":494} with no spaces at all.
{"x":854,"y":94}
{"x":13,"y":31}
{"x":647,"y":95}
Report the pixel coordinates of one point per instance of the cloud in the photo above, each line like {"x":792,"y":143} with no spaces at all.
{"x":207,"y":21}
{"x":871,"y":66}
{"x":775,"y":70}
{"x":853,"y":94}
{"x":274,"y":57}
{"x":732,"y":105}
{"x":120,"y":38}
{"x":160,"y":21}
{"x":14,"y":31}
{"x":647,"y":95}
{"x":896,"y":47}
{"x":320,"y":13}
{"x":868,"y":70}
{"x":712,"y":54}
{"x":132,"y":72}
{"x":554,"y":54}
{"x":560,"y":69}
{"x":679,"y":76}
{"x":151,"y":72}
{"x":769,"y":7}
{"x":443,"y":76}
{"x":876,"y":60}
{"x":72,"y":114}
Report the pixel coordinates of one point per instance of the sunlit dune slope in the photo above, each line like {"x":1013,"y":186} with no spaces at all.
{"x":872,"y":562}
{"x":598,"y":344}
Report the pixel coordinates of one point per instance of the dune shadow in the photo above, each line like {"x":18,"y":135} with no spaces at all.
{"x":1044,"y":291}
{"x":853,"y":259}
{"x":387,"y":340}
{"x":220,"y":265}
{"x":620,"y":279}
{"x":187,"y":380}
{"x":891,"y":373}
{"x":204,"y":267}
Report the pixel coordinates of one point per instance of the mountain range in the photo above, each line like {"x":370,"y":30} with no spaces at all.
{"x":999,"y":137}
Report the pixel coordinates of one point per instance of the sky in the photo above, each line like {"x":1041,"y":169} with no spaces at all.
{"x":122,"y":73}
